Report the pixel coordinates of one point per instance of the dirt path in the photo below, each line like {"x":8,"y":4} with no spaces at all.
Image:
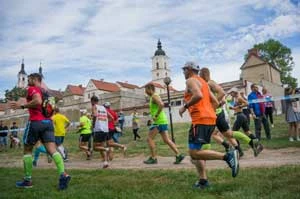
{"x":268,"y":158}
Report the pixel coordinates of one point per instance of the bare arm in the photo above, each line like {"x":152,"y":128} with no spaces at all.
{"x":194,"y":87}
{"x":36,"y":100}
{"x":213,"y":99}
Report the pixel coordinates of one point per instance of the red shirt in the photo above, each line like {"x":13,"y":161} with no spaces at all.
{"x":111,"y":122}
{"x":35,"y":114}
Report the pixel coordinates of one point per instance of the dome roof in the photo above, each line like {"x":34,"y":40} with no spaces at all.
{"x":159,"y":50}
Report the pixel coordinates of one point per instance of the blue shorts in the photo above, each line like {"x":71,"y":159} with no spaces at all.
{"x":38,"y":130}
{"x":59,"y":140}
{"x":160,"y":127}
{"x":3,"y":140}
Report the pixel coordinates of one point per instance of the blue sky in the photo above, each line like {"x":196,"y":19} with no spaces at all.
{"x":114,"y":40}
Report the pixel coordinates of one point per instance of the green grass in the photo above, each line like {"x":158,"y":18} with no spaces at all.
{"x":272,"y":183}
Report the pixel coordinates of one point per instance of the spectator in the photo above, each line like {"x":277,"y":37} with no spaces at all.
{"x":269,"y":105}
{"x":135,"y":124}
{"x":14,"y":134}
{"x":121,"y":119}
{"x":245,"y":109}
{"x":258,"y":113}
{"x":3,"y":136}
{"x":292,"y":114}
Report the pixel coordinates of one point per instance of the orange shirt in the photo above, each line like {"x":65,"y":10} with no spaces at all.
{"x":202,"y":112}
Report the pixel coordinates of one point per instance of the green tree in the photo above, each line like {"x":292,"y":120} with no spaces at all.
{"x":280,"y":56}
{"x":15,"y":93}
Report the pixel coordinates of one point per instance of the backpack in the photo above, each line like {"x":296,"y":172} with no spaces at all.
{"x":48,"y":103}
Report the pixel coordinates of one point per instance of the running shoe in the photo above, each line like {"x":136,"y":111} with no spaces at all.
{"x":64,"y":180}
{"x":24,"y":184}
{"x":105,"y":165}
{"x":34,"y":163}
{"x":179,"y":158}
{"x":150,"y":161}
{"x":233,"y":162}
{"x":198,"y":185}
{"x":257,"y":147}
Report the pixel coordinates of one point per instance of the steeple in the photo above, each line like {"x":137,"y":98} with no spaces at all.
{"x":40,"y":69}
{"x":22,"y":71}
{"x":159,"y":50}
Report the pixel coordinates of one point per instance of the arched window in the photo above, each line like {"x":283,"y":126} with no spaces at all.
{"x":166,"y":74}
{"x":157,"y":65}
{"x":157,"y":74}
{"x":165,"y":65}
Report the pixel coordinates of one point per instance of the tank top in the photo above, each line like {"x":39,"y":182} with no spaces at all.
{"x":202,"y":112}
{"x":101,"y":123}
{"x":161,"y":118}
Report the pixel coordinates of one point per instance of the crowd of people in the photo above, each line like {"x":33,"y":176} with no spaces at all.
{"x":99,"y":130}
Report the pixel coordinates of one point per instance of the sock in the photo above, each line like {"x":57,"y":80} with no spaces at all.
{"x":238,"y":147}
{"x":225,"y":157}
{"x":38,"y":150}
{"x":225,"y":144}
{"x":61,"y":149}
{"x":59,"y":162}
{"x":241,"y":136}
{"x":27,"y":161}
{"x":252,"y":136}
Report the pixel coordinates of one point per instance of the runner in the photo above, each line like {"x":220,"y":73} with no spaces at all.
{"x":85,"y":130}
{"x":112,"y":121}
{"x":221,"y":122}
{"x":160,"y":125}
{"x":61,"y":123}
{"x":241,"y":121}
{"x":201,"y":103}
{"x":39,"y":127}
{"x":100,"y":129}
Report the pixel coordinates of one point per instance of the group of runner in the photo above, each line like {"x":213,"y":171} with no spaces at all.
{"x":203,"y":99}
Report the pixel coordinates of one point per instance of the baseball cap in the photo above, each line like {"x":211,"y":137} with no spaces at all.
{"x":106,"y":104}
{"x":192,"y":65}
{"x":233,"y":89}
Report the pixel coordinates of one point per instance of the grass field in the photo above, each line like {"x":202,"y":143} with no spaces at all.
{"x":272,"y":183}
{"x":279,"y":182}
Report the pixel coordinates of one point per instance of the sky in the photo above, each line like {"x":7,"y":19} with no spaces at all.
{"x":114,"y":40}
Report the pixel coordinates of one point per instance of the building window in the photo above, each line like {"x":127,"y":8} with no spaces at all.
{"x":178,"y":103}
{"x":165,"y":65}
{"x":23,"y":79}
{"x":157,"y":65}
{"x":89,"y":96}
{"x":93,"y":94}
{"x":157,"y":74}
{"x":166,"y":74}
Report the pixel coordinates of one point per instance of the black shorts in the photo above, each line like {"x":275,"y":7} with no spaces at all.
{"x":110,"y":134}
{"x":100,"y":136}
{"x":84,"y":137}
{"x":241,"y":121}
{"x":200,"y":134}
{"x":221,"y":122}
{"x":38,"y":130}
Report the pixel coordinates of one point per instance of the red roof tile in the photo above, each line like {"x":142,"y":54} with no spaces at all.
{"x":75,"y":90}
{"x":127,"y":85}
{"x":106,"y":86}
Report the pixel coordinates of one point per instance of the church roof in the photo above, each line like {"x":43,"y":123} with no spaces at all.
{"x":127,"y":85}
{"x":159,"y":50}
{"x":22,"y":71}
{"x":75,"y":90}
{"x":106,"y":86}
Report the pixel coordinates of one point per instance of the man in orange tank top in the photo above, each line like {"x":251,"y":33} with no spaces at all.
{"x":201,"y":104}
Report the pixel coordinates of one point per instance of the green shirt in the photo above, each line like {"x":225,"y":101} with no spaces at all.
{"x":86,"y":128}
{"x":162,"y":118}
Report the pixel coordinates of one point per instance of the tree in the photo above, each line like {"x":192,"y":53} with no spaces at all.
{"x":280,"y":56}
{"x":15,"y":93}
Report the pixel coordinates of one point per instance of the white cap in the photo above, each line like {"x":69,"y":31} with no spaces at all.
{"x":191,"y":65}
{"x":106,"y":104}
{"x":233,"y":89}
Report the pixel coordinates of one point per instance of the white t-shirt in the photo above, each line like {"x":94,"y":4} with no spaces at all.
{"x":101,"y":123}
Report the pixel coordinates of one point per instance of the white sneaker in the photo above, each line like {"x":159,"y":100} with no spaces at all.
{"x":291,"y":139}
